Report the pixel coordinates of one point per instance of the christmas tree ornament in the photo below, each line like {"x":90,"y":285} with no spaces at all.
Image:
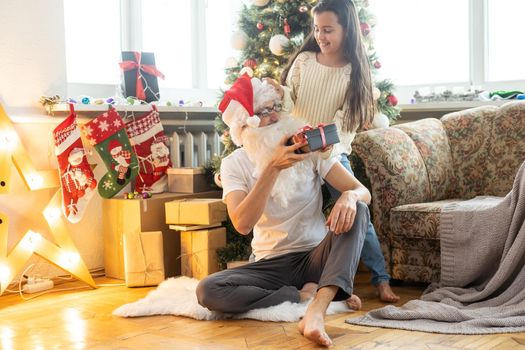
{"x":303,"y":8}
{"x":76,"y":176}
{"x":108,"y":136}
{"x":376,"y":93}
{"x":278,"y":43}
{"x":365,"y":29}
{"x":238,"y":40}
{"x":260,"y":3}
{"x":246,"y":70}
{"x":147,"y":138}
{"x":231,"y":62}
{"x":260,"y":26}
{"x":392,"y":100}
{"x":380,"y":121}
{"x":250,"y":62}
{"x":377,"y":64}
{"x":286,"y":27}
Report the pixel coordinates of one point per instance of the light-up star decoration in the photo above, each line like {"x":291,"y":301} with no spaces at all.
{"x":63,"y":252}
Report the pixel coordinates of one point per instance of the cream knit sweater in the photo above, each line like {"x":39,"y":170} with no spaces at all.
{"x":316,"y":94}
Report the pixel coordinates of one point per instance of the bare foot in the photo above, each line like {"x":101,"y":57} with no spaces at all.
{"x":354,"y":302}
{"x":308,"y":291}
{"x":386,"y":294}
{"x":312,"y":327}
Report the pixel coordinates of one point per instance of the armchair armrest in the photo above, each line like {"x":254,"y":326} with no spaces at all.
{"x":396,"y":171}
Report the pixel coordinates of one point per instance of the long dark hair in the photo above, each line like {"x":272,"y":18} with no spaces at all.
{"x":358,"y":95}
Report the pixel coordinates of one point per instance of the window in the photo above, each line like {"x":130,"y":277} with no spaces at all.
{"x":92,"y":46}
{"x":422,"y":42}
{"x":506,"y":52}
{"x":221,"y":18}
{"x":166,"y":31}
{"x":190,"y":40}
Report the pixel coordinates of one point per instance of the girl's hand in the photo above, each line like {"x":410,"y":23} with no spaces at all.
{"x":275,"y":85}
{"x":342,"y":216}
{"x":285,"y":156}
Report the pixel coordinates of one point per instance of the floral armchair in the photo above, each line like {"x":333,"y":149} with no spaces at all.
{"x":416,"y":168}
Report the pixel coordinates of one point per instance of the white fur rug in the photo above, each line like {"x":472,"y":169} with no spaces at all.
{"x":176,"y":296}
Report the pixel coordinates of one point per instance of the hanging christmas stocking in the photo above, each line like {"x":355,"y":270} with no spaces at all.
{"x":108,"y":136}
{"x":76,"y":176}
{"x":149,"y":142}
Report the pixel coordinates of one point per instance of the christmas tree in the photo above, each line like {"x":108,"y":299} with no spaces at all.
{"x":269,"y":31}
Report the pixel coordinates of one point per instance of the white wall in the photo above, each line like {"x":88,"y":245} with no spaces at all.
{"x":32,"y":64}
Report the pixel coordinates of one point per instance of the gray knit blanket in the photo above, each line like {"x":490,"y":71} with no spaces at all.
{"x":482,"y":288}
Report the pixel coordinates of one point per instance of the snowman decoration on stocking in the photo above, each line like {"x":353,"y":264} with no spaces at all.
{"x":121,"y":160}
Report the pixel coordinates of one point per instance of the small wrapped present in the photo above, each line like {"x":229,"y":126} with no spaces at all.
{"x":143,"y":258}
{"x":140,"y":75}
{"x":187,"y":180}
{"x":317,"y":138}
{"x":198,"y":251}
{"x":196,"y":211}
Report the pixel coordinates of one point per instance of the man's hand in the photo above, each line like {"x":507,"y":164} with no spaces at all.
{"x":285,"y":156}
{"x":342,"y":216}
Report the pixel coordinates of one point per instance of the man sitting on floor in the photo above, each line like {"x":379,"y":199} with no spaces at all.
{"x":269,"y":188}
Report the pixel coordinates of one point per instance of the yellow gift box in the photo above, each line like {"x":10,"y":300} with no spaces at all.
{"x":198,"y":251}
{"x":195,"y":211}
{"x":143,"y":258}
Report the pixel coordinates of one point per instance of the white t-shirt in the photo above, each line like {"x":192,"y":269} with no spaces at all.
{"x":298,"y":227}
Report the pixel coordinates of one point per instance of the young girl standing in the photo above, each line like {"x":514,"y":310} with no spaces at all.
{"x":329,"y":80}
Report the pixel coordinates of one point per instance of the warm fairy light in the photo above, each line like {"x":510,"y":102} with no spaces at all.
{"x":52,"y":214}
{"x":262,"y":50}
{"x":276,"y":62}
{"x":265,"y":60}
{"x":68,"y":259}
{"x":31,"y":240}
{"x":35,"y":181}
{"x":8,"y":139}
{"x":4,"y":273}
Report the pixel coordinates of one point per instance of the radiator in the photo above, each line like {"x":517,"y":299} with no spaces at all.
{"x":194,"y":149}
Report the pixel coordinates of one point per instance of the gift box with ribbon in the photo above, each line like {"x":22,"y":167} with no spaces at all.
{"x":143,"y":258}
{"x":317,"y":138}
{"x":140,"y":75}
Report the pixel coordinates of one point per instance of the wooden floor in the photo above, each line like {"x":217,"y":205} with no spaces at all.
{"x":82,"y":320}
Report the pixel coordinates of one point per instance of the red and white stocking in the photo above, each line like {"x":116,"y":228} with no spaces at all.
{"x":149,"y":143}
{"x":76,"y":176}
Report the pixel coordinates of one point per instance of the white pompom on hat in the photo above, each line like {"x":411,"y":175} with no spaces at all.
{"x":245,"y":96}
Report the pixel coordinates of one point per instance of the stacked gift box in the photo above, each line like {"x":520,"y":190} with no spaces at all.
{"x":199,"y":223}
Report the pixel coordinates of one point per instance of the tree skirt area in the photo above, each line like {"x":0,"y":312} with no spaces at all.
{"x":176,"y":296}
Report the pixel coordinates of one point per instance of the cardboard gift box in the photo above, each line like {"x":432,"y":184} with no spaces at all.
{"x":198,"y":251}
{"x":140,"y":75}
{"x":122,"y":216}
{"x":187,"y":180}
{"x":143,"y":258}
{"x":196,"y":211}
{"x":317,"y":138}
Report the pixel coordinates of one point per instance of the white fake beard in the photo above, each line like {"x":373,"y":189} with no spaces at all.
{"x":260,"y":144}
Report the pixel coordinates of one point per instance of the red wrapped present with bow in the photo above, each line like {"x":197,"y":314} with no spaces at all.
{"x":317,"y":138}
{"x":140,"y":75}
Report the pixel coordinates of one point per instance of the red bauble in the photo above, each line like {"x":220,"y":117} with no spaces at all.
{"x":392,"y":100}
{"x":377,"y":64}
{"x":250,"y":62}
{"x":365,"y":29}
{"x":260,"y":26}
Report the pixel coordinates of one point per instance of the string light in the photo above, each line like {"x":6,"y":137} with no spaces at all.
{"x":10,"y":139}
{"x":35,"y":181}
{"x":68,"y":259}
{"x":52,"y":214}
{"x":31,"y":240}
{"x":4,"y":273}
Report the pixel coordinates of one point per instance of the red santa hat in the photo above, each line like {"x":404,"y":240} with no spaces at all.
{"x":114,"y":143}
{"x":245,"y":96}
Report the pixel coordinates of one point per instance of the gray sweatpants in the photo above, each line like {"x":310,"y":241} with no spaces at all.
{"x":269,"y":282}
